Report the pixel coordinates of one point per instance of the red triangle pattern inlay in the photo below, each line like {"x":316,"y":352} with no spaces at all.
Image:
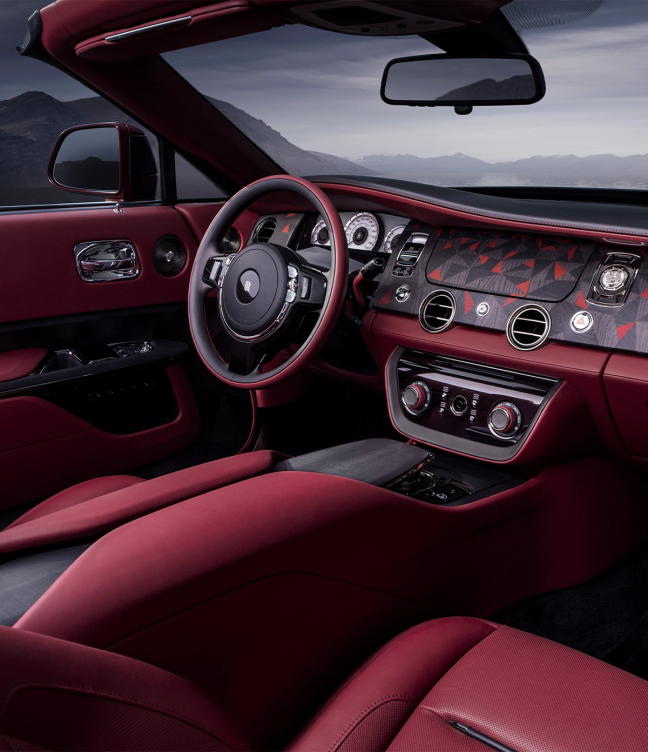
{"x":286,"y":228}
{"x":509,"y":300}
{"x":644,"y":294}
{"x":530,"y":263}
{"x":483,"y":259}
{"x":509,"y":255}
{"x":559,"y":271}
{"x":492,"y":244}
{"x":290,"y":215}
{"x":623,"y":330}
{"x":447,"y":245}
{"x":466,"y":240}
{"x":524,"y":287}
{"x":468,"y":302}
{"x":497,"y":269}
{"x":436,"y":274}
{"x":580,"y":300}
{"x":571,"y":252}
{"x":473,"y":247}
{"x":385,"y":298}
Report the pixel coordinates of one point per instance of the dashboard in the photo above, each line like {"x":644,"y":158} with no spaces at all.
{"x":458,"y":299}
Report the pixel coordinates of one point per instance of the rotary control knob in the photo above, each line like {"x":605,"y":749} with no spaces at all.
{"x":416,"y":397}
{"x":504,"y":419}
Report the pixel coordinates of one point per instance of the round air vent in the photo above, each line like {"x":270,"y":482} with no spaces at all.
{"x":169,"y":256}
{"x":230,"y":242}
{"x":264,"y":231}
{"x":528,"y":327}
{"x":437,"y":311}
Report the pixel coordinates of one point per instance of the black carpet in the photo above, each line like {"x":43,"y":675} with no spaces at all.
{"x":606,"y":617}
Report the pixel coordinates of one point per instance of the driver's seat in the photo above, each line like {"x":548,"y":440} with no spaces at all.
{"x":97,"y":506}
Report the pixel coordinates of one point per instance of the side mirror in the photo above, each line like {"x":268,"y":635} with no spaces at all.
{"x":462,"y":81}
{"x":104,"y":159}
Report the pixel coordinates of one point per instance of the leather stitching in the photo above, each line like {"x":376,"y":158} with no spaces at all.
{"x":475,"y":212}
{"x":408,"y":700}
{"x":113,"y":695}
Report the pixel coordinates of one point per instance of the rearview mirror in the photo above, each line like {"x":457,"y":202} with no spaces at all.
{"x":463,"y":81}
{"x":104,"y":159}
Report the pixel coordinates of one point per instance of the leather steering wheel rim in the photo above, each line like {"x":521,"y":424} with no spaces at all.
{"x":333,"y":298}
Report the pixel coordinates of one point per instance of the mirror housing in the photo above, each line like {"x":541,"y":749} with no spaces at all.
{"x":463,"y":81}
{"x":113,"y":160}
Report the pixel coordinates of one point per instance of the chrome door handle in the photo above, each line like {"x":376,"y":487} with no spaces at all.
{"x":106,"y":260}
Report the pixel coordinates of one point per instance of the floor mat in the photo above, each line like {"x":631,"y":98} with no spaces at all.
{"x":606,"y":617}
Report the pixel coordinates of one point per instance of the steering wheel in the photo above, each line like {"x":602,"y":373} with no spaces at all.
{"x":264,"y":292}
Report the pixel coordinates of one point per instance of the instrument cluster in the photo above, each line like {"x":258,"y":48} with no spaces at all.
{"x":365,"y":232}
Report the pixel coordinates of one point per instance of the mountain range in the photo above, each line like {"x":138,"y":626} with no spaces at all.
{"x":599,"y":170}
{"x":31,"y":122}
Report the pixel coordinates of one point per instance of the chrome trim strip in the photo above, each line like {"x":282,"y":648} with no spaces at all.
{"x":148,"y":29}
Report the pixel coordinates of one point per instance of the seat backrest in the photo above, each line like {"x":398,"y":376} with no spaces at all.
{"x":60,"y":695}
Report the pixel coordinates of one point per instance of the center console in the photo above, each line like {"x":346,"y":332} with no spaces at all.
{"x":476,"y":409}
{"x":433,"y":477}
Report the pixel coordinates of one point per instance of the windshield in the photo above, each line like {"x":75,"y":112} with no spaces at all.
{"x":311,"y":100}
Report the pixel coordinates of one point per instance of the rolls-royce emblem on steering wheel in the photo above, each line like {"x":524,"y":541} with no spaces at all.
{"x":248,"y":286}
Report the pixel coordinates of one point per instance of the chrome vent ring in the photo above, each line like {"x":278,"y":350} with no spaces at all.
{"x":528,"y":327}
{"x":437,"y":311}
{"x":265,"y":230}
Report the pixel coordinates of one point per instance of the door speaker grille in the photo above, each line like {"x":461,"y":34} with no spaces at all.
{"x":230,"y":242}
{"x":169,"y":256}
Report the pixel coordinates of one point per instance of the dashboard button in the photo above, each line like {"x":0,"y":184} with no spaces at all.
{"x":416,"y":397}
{"x":504,"y":419}
{"x":459,"y":405}
{"x":403,"y":293}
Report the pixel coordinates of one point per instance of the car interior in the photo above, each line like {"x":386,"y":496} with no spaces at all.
{"x":319,"y":459}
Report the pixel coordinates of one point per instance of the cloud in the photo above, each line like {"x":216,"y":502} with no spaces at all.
{"x":321,"y":91}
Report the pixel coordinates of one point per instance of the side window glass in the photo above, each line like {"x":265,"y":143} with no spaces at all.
{"x":37,"y":102}
{"x":193,"y":185}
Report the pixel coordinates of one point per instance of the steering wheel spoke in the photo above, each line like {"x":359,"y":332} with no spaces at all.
{"x":212,"y":270}
{"x":311,"y":287}
{"x":245,"y":357}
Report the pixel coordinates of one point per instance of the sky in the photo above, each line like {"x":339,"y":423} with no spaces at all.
{"x":321,"y":89}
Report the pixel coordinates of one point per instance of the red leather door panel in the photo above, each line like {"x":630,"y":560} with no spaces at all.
{"x":39,"y":277}
{"x":44,"y":448}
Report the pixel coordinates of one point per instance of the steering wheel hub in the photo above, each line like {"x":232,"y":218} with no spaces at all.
{"x":254,"y":290}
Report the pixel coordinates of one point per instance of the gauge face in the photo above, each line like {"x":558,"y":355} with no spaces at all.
{"x":362,"y":232}
{"x":320,"y":234}
{"x":391,"y":238}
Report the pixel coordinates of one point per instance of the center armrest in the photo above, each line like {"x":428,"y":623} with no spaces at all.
{"x":374,"y":461}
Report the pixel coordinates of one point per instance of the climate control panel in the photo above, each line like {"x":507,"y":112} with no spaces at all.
{"x":470,"y":407}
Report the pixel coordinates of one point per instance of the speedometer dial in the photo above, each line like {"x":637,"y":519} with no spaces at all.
{"x":320,"y":234}
{"x":362,"y":232}
{"x":391,"y":237}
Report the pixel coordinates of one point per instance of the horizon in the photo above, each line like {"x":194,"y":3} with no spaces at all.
{"x":358,"y":159}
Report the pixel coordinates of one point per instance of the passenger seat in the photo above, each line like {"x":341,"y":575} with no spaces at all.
{"x":453,"y":684}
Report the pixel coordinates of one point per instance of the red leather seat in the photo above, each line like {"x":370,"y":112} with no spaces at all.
{"x":99,"y":505}
{"x":451,"y":684}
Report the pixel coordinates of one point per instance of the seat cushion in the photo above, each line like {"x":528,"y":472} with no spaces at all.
{"x":100,"y":505}
{"x":519,"y":690}
{"x":90,"y":489}
{"x":58,"y":695}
